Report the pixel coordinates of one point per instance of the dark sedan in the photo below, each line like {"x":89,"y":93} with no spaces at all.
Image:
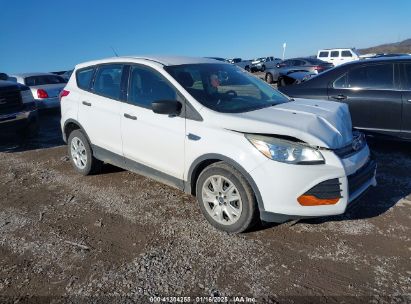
{"x":377,"y":91}
{"x":311,"y":65}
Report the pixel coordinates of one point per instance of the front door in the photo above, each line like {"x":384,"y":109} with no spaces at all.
{"x":152,"y":143}
{"x":372,"y":96}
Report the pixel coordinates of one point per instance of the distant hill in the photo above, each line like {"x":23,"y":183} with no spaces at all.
{"x":398,"y":47}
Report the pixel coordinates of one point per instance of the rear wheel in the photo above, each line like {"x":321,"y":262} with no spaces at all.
{"x":226,"y":199}
{"x":247,"y":68}
{"x":81,"y":155}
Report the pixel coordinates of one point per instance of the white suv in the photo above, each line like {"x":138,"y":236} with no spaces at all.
{"x":245,"y":150}
{"x":338,"y":56}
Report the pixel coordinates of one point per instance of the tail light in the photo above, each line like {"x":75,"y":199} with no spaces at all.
{"x":42,"y":94}
{"x":318,"y":68}
{"x":64,"y":93}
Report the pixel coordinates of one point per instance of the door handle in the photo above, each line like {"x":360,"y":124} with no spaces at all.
{"x":339,"y":97}
{"x":87,"y":103}
{"x":130,"y":116}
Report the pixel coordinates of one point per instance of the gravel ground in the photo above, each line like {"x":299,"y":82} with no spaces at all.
{"x":121,"y":237}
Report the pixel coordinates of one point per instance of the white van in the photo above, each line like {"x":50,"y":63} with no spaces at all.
{"x":338,"y":56}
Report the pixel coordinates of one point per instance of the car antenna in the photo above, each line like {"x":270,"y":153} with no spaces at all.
{"x":114,"y":51}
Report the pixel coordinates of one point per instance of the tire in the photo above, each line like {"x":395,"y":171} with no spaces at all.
{"x":247,"y":68}
{"x":281,"y":82}
{"x":269,"y":78}
{"x":232,"y":216}
{"x":263,"y":68}
{"x":85,"y":163}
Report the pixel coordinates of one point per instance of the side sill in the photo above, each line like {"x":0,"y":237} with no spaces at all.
{"x":130,"y":165}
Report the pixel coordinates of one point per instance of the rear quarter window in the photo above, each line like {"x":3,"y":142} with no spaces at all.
{"x":84,"y":77}
{"x":323,"y":54}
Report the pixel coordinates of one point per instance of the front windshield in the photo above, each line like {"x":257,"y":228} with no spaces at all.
{"x":225,"y":88}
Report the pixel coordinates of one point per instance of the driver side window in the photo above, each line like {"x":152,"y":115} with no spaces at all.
{"x":146,"y":86}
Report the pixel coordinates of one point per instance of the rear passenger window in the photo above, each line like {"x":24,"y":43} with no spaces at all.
{"x":323,"y":54}
{"x":335,"y":54}
{"x":146,"y":86}
{"x":84,"y":78}
{"x":378,"y":76}
{"x":346,"y":54}
{"x":107,"y":81}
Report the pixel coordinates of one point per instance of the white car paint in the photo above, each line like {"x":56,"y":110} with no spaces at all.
{"x":338,"y":56}
{"x":161,"y":142}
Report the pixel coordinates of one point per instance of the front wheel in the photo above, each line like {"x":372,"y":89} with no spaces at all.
{"x":226,"y":199}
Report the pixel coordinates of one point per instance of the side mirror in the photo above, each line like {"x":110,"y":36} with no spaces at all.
{"x":168,"y":107}
{"x":4,"y":76}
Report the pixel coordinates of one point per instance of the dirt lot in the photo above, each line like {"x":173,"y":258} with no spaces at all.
{"x":119,"y":234}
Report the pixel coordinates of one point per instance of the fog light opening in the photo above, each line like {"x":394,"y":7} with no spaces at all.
{"x":310,"y":200}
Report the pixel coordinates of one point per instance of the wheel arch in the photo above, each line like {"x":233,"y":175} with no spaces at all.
{"x":69,"y":126}
{"x":205,"y":160}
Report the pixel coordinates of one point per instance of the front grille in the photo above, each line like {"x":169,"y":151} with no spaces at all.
{"x":10,"y":101}
{"x":328,"y":189}
{"x":355,"y":146}
{"x":363,"y":175}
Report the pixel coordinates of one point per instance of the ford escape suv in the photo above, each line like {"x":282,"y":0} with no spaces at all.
{"x":245,"y":150}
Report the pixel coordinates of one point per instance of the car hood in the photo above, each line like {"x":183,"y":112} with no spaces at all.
{"x":318,"y":123}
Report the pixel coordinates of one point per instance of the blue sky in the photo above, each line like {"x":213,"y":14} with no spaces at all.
{"x":55,"y":35}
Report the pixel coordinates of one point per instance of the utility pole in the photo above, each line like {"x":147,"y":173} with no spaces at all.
{"x":284,"y":46}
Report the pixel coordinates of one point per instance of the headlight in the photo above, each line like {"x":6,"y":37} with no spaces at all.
{"x":286,"y":151}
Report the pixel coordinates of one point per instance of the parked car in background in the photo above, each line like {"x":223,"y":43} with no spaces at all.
{"x":45,"y":87}
{"x":245,"y":64}
{"x":388,"y":55}
{"x":311,"y":65}
{"x":338,"y":56}
{"x":217,"y":58}
{"x":377,"y":91}
{"x":295,"y":78}
{"x":213,"y":130}
{"x":263,"y":63}
{"x":18,"y":111}
{"x":66,"y":75}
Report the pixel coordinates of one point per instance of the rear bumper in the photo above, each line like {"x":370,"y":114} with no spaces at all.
{"x":48,"y":103}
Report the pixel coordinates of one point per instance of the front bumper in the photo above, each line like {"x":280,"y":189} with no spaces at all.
{"x":281,"y":184}
{"x":15,"y":122}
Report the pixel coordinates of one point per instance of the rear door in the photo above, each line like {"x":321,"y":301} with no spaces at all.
{"x":406,"y":101}
{"x":99,"y":109}
{"x":324,"y":56}
{"x":371,"y":92}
